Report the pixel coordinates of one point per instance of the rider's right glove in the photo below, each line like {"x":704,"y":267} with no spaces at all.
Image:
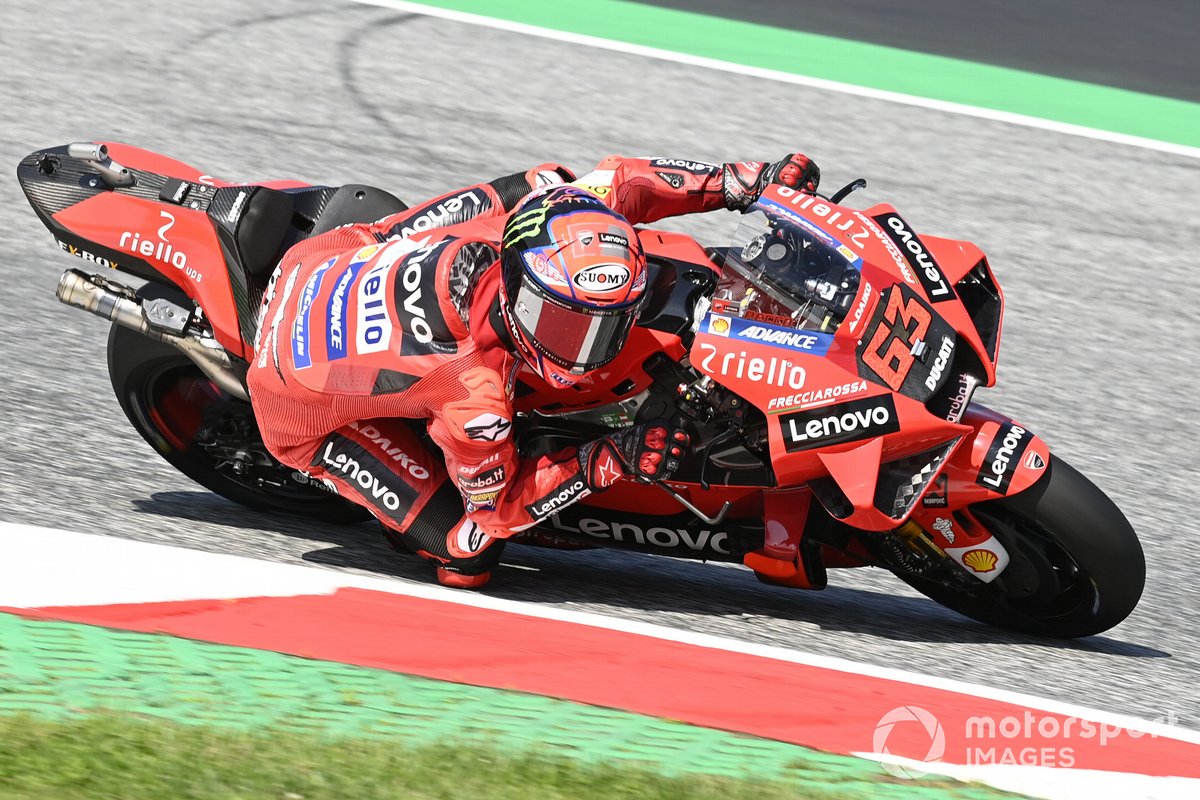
{"x":647,"y":452}
{"x":745,"y":181}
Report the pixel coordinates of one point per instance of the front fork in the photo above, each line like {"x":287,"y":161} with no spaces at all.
{"x":999,"y":459}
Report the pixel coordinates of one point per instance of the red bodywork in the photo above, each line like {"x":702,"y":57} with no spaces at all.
{"x":182,"y":246}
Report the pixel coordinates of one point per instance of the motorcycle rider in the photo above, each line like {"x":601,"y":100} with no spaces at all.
{"x":373,"y":336}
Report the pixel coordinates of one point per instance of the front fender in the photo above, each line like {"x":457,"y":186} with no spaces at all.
{"x":999,"y":459}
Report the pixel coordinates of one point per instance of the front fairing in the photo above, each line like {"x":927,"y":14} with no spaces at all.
{"x":861,"y":365}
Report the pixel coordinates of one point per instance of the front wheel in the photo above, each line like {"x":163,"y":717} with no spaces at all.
{"x":205,"y":433}
{"x":1077,"y":567}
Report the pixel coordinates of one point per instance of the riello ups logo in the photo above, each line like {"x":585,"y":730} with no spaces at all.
{"x":836,"y":424}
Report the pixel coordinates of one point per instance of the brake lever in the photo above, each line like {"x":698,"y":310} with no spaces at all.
{"x":853,"y":186}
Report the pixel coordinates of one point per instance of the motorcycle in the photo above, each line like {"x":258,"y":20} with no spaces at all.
{"x":826,"y":360}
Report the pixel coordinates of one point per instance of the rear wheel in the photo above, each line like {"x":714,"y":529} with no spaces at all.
{"x":204,"y":432}
{"x":1077,"y":567}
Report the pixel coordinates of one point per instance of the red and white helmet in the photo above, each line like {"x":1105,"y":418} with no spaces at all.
{"x":574,"y":279}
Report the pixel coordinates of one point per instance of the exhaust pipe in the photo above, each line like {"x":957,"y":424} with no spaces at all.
{"x":119,"y":304}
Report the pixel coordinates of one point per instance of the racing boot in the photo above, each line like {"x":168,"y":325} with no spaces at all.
{"x":464,"y":558}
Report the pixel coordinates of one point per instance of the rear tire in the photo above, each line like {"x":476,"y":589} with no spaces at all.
{"x":1077,"y":566}
{"x":165,"y":396}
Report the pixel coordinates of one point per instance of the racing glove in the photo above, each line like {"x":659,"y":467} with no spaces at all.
{"x":745,"y":181}
{"x":647,"y":452}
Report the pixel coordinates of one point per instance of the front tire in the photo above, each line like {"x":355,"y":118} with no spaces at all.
{"x":1077,"y":567}
{"x":173,"y":405}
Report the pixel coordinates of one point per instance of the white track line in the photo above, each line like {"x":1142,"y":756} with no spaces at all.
{"x":787,"y":77}
{"x":51,"y":567}
{"x":1055,"y":783}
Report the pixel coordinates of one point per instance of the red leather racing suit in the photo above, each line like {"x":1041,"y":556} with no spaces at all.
{"x":383,"y":370}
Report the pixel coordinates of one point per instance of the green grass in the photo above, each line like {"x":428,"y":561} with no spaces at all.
{"x":87,"y":712}
{"x":114,"y":756}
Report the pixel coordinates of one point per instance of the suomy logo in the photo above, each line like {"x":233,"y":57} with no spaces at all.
{"x":603,"y":278}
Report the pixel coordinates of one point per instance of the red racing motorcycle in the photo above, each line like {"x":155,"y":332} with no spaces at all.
{"x":826,"y":360}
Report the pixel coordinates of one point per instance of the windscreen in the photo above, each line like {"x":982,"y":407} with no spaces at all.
{"x":783,"y":270}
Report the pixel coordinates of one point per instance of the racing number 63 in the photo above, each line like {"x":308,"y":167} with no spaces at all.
{"x":889,"y":352}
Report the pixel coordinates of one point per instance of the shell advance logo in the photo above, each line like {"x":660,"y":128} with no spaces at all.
{"x":811,"y":342}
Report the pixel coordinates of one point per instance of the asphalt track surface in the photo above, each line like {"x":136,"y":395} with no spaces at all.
{"x":1093,"y":242}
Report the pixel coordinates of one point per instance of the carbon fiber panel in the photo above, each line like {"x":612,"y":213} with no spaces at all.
{"x":73,"y":181}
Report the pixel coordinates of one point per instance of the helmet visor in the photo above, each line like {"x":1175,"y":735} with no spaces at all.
{"x":573,"y":338}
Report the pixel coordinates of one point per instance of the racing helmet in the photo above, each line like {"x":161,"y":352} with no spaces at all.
{"x":574,"y":279}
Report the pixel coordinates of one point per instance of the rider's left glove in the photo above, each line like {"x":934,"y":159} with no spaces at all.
{"x":647,"y":452}
{"x":745,"y":181}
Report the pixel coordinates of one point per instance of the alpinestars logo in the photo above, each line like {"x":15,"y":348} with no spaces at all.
{"x":488,"y":427}
{"x":560,"y":497}
{"x":837,"y":424}
{"x":470,"y":538}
